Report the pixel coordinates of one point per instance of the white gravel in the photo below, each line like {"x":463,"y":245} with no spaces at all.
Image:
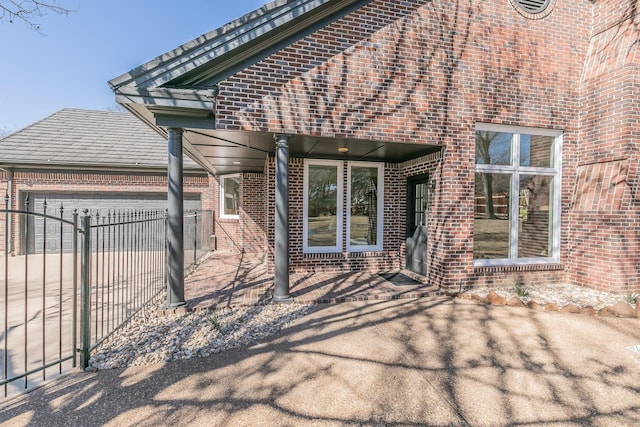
{"x":557,"y":293}
{"x":152,"y":338}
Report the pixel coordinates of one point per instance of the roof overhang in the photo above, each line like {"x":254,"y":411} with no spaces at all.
{"x":226,"y":152}
{"x":214,"y":56}
{"x":178,"y":89}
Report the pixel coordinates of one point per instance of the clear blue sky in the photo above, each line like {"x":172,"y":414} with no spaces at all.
{"x":70,"y":61}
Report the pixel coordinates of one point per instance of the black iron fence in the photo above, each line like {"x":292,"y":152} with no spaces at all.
{"x":122,"y":268}
{"x":59,"y":301}
{"x":38,"y":299}
{"x":198,"y":240}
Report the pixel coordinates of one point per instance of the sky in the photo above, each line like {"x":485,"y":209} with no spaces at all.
{"x":68,"y":62}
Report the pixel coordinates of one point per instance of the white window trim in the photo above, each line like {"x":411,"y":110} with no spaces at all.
{"x":222,"y":193}
{"x":339,"y":204}
{"x":516,"y":171}
{"x":380,"y":208}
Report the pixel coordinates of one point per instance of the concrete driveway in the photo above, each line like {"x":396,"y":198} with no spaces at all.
{"x":430,"y":361}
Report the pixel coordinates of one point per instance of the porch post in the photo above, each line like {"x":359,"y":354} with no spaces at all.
{"x":175,"y":235}
{"x":281,"y":288}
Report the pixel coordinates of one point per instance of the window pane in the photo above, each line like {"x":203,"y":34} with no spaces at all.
{"x":364,"y":206}
{"x":493,"y":148}
{"x":231,"y":186}
{"x":322,"y":205}
{"x":534,"y":228}
{"x":536,"y":151}
{"x":491,"y":224}
{"x":420,"y":204}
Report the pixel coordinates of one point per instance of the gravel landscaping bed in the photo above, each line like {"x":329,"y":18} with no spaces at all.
{"x":557,"y":293}
{"x":151,"y":338}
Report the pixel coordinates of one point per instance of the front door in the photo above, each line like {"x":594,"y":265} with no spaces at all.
{"x":416,"y":240}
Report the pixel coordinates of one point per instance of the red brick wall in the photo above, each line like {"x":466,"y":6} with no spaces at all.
{"x":604,"y":245}
{"x":248,"y":233}
{"x":77,"y":182}
{"x":253,"y":214}
{"x":393,"y":217}
{"x":425,"y":72}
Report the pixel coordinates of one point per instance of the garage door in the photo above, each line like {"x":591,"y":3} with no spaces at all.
{"x":101,"y":203}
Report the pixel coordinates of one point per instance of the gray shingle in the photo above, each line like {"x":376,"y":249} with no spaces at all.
{"x":88,"y":138}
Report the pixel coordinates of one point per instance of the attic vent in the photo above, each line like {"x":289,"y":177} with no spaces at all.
{"x":533,"y":9}
{"x":533,"y":6}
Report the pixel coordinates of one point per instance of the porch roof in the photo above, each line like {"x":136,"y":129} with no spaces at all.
{"x":179,"y":89}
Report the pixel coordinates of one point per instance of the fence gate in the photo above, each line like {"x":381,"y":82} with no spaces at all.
{"x":38,"y":301}
{"x":61,"y":302}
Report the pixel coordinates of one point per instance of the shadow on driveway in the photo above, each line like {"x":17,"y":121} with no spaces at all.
{"x":429,"y":361}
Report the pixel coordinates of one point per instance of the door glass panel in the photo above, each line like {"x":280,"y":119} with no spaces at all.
{"x":363,"y":226}
{"x":420,"y":205}
{"x":322,"y":205}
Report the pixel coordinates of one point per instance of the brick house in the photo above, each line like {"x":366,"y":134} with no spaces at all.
{"x":85,"y":159}
{"x":469,"y":141}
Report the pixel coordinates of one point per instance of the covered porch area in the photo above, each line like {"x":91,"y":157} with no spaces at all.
{"x":233,"y":279}
{"x":316,"y":168}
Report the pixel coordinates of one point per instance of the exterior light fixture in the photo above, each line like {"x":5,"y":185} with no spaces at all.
{"x":343,"y":149}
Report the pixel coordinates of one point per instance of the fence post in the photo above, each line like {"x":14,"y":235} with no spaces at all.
{"x":195,"y":237}
{"x":85,"y":291}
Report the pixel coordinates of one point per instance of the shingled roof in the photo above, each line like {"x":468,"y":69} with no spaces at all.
{"x":87,"y":139}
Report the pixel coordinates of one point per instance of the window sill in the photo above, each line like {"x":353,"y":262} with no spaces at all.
{"x":506,"y":268}
{"x":333,"y":255}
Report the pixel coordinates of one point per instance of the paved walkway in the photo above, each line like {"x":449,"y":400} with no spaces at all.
{"x":413,"y":362}
{"x":227,"y":279}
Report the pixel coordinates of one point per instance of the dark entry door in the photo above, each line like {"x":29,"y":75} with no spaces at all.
{"x":416,"y":240}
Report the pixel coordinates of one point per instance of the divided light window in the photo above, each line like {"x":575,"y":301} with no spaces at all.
{"x":324,"y":214}
{"x":230,"y":196}
{"x":517,"y":195}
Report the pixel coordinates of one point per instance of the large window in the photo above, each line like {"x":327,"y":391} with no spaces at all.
{"x":517,"y":195}
{"x":364,"y":213}
{"x":323,"y":206}
{"x":230,"y":196}
{"x":324,"y":187}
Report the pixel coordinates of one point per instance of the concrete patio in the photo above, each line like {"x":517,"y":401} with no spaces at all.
{"x":228,"y":279}
{"x":411,"y":362}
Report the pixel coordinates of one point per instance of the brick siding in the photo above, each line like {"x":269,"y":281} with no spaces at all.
{"x":39,"y":181}
{"x":420,"y":72}
{"x":425,"y":72}
{"x":604,"y":215}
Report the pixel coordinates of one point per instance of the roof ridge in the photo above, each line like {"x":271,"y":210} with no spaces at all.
{"x":196,"y":42}
{"x":268,"y":26}
{"x":30,"y":125}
